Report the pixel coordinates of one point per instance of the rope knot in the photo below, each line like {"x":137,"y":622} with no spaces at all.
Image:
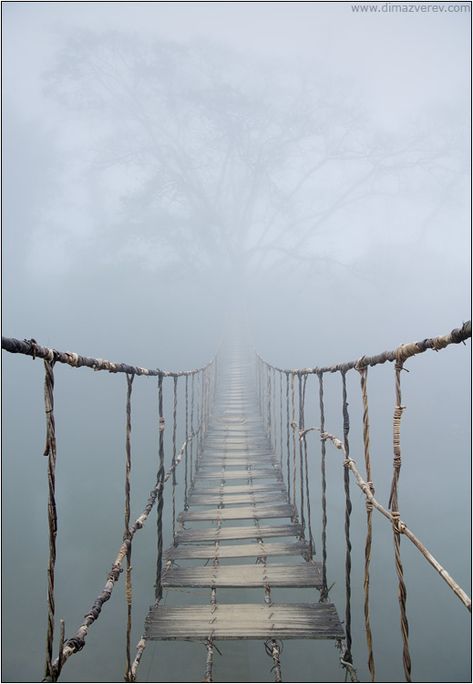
{"x":347,"y":462}
{"x":398,"y":525}
{"x":161,"y":424}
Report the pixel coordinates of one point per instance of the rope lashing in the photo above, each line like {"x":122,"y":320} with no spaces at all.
{"x":126,"y":535}
{"x":273,"y":648}
{"x":306,"y":469}
{"x":347,"y":656}
{"x":369,"y":525}
{"x":50,"y":452}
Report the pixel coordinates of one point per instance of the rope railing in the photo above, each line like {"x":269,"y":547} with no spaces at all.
{"x":398,"y":355}
{"x":200,"y":407}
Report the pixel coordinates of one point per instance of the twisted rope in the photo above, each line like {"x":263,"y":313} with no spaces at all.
{"x":301,"y":454}
{"x":280,"y":422}
{"x":32,"y":348}
{"x":126,"y":535}
{"x":324,"y":589}
{"x":369,"y":526}
{"x":288,"y":447}
{"x":160,"y":478}
{"x":306,"y":467}
{"x":347,"y":656}
{"x":174,"y":453}
{"x":186,"y":502}
{"x":394,"y":506}
{"x":293,"y":423}
{"x":50,"y":452}
{"x":273,"y":649}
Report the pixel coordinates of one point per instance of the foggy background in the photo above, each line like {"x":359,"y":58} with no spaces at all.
{"x":167,"y":164}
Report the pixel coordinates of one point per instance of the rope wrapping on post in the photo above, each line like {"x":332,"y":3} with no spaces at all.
{"x":293,"y":425}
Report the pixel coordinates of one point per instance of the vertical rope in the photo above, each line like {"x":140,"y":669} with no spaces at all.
{"x":192,"y":427}
{"x":280,"y":422}
{"x":209,"y":665}
{"x":306,"y":467}
{"x":274,"y":649}
{"x":160,"y":478}
{"x":126,"y":535}
{"x":186,"y":465}
{"x":50,"y":452}
{"x":301,"y":454}
{"x":174,"y":453}
{"x":324,"y":590}
{"x":369,"y":526}
{"x":346,"y":481}
{"x":293,"y":423}
{"x":288,"y":447}
{"x":269,"y":427}
{"x":394,"y":505}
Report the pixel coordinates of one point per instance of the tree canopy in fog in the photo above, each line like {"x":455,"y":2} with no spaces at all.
{"x":233,"y":170}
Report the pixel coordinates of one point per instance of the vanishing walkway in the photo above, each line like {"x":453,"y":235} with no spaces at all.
{"x":238,"y":489}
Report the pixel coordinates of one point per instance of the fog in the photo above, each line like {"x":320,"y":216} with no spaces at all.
{"x":171,"y":169}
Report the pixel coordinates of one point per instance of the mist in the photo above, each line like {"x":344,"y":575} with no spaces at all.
{"x":175,"y":172}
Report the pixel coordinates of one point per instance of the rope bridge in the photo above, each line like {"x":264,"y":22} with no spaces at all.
{"x":245,"y":457}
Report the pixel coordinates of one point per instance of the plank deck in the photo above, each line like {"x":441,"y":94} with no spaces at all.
{"x":208,"y":551}
{"x":256,"y":575}
{"x":237,"y":476}
{"x":227,"y":533}
{"x":245,"y":621}
{"x":242,"y":513}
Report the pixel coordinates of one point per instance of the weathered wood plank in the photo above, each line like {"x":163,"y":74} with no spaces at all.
{"x":256,"y":575}
{"x":225,"y":533}
{"x":275,"y":486}
{"x":235,"y":474}
{"x":294,"y":548}
{"x":244,"y":621}
{"x":226,"y":499}
{"x":281,"y":510}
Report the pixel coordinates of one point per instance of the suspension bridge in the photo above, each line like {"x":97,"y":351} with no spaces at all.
{"x":247,"y":518}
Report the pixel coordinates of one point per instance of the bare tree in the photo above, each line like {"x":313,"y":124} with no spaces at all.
{"x":222,"y":164}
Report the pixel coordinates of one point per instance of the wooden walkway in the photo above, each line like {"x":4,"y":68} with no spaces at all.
{"x":240,"y":531}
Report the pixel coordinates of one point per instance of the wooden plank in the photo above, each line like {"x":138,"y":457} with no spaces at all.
{"x":282,"y":510}
{"x":257,"y":497}
{"x":275,"y":486}
{"x":249,"y":532}
{"x":236,"y":474}
{"x":255,"y":575}
{"x":208,"y":551}
{"x":244,"y":621}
